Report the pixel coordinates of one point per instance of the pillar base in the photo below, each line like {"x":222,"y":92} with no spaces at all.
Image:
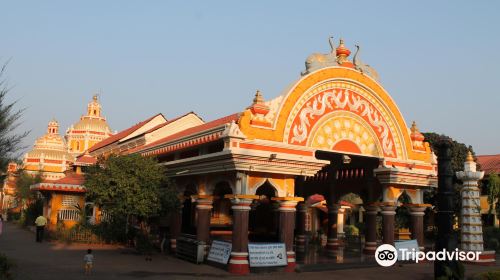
{"x":290,"y":267}
{"x":370,"y":248}
{"x":486,"y":258}
{"x":238,"y":264}
{"x":173,"y":245}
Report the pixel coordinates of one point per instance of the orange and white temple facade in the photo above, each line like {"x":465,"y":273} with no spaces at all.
{"x":249,"y":175}
{"x":60,"y":160}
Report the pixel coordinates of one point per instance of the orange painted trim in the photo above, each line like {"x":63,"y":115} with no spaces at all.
{"x":260,"y":123}
{"x":275,"y":149}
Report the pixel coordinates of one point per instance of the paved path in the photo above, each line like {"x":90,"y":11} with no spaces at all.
{"x":58,"y":261}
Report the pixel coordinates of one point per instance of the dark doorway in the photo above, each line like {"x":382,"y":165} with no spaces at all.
{"x":264,"y":220}
{"x":188,"y":225}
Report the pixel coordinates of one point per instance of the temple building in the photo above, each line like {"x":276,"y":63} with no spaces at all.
{"x":89,"y":130}
{"x":251,"y":176}
{"x":49,"y":156}
{"x":61,"y":162}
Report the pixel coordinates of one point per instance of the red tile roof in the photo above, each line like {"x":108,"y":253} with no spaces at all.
{"x":489,"y":163}
{"x":85,"y":159}
{"x":120,"y":135}
{"x":70,"y":179}
{"x":190,"y":131}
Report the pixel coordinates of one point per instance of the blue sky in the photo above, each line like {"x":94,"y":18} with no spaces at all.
{"x":439,"y":60}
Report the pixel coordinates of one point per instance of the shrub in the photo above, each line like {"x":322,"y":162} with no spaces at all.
{"x":6,"y":267}
{"x":491,"y":237}
{"x":351,"y":231}
{"x":489,"y":275}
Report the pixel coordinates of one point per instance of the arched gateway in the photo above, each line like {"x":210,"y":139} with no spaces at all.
{"x":334,"y":131}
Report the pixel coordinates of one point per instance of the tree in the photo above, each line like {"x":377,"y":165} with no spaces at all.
{"x":458,"y":155}
{"x":494,"y":192}
{"x":130,"y":185}
{"x":10,"y":140}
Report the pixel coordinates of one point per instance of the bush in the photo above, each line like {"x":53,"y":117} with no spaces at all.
{"x":491,"y":237}
{"x":490,"y":275}
{"x":13,"y":216}
{"x":33,"y":210}
{"x":6,"y":267}
{"x":351,"y":231}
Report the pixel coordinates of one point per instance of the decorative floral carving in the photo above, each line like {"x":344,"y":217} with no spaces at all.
{"x":336,"y":99}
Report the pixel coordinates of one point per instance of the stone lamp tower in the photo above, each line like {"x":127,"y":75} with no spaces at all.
{"x":471,"y":226}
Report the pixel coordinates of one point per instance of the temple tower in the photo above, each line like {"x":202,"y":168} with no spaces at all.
{"x":89,"y":130}
{"x":471,"y":226}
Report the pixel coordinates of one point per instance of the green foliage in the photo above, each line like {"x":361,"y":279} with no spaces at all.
{"x":10,"y":141}
{"x":129,"y":185}
{"x":23,"y":183}
{"x":351,"y":231}
{"x":456,"y":270}
{"x":458,"y":150}
{"x":491,"y":237}
{"x":459,"y":153}
{"x":111,"y":231}
{"x":489,"y":275}
{"x":494,"y":191}
{"x":32,"y":211}
{"x":6,"y":267}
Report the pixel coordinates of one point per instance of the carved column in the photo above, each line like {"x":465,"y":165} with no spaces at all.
{"x":300,"y":239}
{"x":238,"y":264}
{"x":204,"y":211}
{"x":333,"y":241}
{"x":371,"y":229}
{"x":417,"y":224}
{"x":175,"y":227}
{"x":287,"y":226}
{"x":388,"y":215}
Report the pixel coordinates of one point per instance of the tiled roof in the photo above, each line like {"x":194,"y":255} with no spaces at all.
{"x":85,"y":159}
{"x":120,"y":135}
{"x":71,"y":183}
{"x":190,"y":131}
{"x":489,"y":163}
{"x":70,"y":179}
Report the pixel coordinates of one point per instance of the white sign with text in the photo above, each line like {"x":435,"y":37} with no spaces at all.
{"x":267,"y":254}
{"x":219,"y":252}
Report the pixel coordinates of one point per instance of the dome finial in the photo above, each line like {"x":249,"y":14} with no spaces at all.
{"x":258,"y":99}
{"x":342,"y":52}
{"x":469,"y":158}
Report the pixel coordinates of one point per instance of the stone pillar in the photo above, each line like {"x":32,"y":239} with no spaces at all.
{"x":238,"y":264}
{"x":388,"y":215}
{"x":333,"y":241}
{"x":287,"y":226}
{"x":175,"y":227}
{"x":340,"y":224}
{"x":300,"y":239}
{"x":371,"y":229}
{"x":204,"y":212}
{"x":417,"y":224}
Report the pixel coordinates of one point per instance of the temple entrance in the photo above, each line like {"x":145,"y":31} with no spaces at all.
{"x":264,"y":219}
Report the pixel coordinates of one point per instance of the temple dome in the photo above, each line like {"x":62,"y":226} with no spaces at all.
{"x":49,"y":154}
{"x":92,"y":128}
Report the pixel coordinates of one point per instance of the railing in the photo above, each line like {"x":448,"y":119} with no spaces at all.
{"x":68,"y":215}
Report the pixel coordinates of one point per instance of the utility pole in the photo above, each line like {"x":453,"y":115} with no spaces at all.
{"x":446,"y":239}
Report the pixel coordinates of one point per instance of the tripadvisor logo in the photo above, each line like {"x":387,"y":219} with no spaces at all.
{"x":387,"y":255}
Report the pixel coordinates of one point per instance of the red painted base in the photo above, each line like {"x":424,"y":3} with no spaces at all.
{"x":290,"y":267}
{"x":239,"y":269}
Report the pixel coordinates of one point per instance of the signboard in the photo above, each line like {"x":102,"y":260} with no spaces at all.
{"x":267,"y":254}
{"x":406,"y":246}
{"x":219,"y":252}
